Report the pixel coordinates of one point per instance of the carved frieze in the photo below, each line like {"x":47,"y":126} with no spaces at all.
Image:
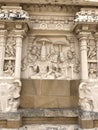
{"x":51,"y":22}
{"x":51,"y":60}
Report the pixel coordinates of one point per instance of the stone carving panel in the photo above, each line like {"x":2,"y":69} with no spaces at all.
{"x":10,"y":54}
{"x":51,"y":60}
{"x":10,"y":47}
{"x":9,"y":95}
{"x":88,"y":95}
{"x":92,"y":59}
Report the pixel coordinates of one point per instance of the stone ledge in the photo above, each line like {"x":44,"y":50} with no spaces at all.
{"x":71,"y":112}
{"x":37,"y":116}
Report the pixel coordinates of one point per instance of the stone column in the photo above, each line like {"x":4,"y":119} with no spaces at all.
{"x":83,"y":51}
{"x":96,"y":39}
{"x":19,"y":36}
{"x":2,"y":49}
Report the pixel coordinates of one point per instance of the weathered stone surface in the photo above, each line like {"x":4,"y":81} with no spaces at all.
{"x":49,"y":64}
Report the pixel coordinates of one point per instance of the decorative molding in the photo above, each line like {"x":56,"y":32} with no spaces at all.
{"x":47,"y":127}
{"x":43,"y":8}
{"x":51,"y":22}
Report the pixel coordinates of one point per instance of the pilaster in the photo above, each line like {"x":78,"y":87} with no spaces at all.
{"x":2,"y":49}
{"x":19,"y":37}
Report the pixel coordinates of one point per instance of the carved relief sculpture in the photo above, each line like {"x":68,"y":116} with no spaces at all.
{"x":48,"y":60}
{"x":88,"y":95}
{"x":9,"y":99}
{"x":10,"y":53}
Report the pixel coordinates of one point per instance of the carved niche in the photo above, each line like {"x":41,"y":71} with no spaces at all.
{"x":51,"y":60}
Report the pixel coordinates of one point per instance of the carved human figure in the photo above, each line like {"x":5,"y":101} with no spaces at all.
{"x":10,"y":48}
{"x":91,"y":52}
{"x":9,"y":68}
{"x":31,"y":58}
{"x":92,"y":70}
{"x":35,"y":73}
{"x":33,"y":54}
{"x":14,"y":101}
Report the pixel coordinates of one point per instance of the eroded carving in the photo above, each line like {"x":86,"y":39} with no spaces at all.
{"x":9,"y":67}
{"x":88,"y":95}
{"x":9,"y":96}
{"x":10,"y":49}
{"x":92,"y":70}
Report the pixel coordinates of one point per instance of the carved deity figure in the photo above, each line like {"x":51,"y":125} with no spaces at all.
{"x":10,"y":47}
{"x":91,"y":52}
{"x":9,"y":96}
{"x":92,"y":70}
{"x":9,"y":68}
{"x":48,"y":60}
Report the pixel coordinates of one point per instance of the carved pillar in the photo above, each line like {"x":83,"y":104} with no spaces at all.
{"x":96,"y":39}
{"x":19,"y":37}
{"x":2,"y":49}
{"x":83,"y":49}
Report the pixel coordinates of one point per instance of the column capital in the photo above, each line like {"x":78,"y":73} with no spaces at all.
{"x":19,"y":33}
{"x":84,"y":35}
